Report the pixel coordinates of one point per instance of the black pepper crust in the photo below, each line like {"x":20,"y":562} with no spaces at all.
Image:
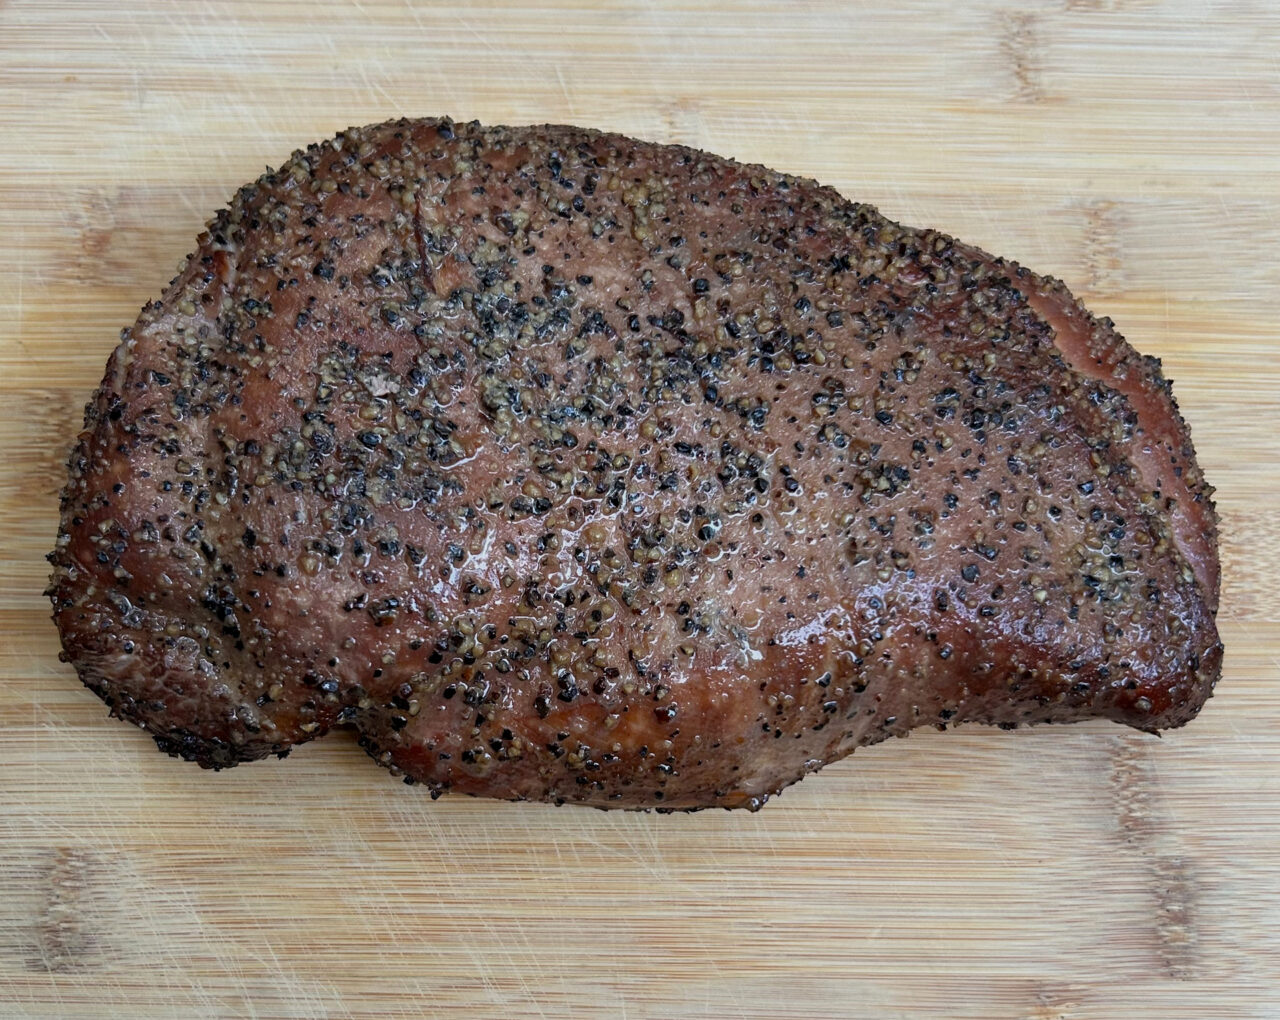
{"x":570,"y":467}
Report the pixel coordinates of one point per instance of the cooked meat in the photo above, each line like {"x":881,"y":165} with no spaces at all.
{"x":569,"y":467}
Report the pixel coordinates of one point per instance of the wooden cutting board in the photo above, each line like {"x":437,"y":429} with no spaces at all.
{"x":1132,"y":148}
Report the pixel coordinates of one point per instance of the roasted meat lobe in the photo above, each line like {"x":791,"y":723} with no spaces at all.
{"x":569,"y":467}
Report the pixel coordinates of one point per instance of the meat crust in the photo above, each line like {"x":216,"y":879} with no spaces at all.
{"x":569,"y":467}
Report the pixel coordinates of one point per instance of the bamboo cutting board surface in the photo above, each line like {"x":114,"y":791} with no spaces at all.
{"x":1131,"y":147}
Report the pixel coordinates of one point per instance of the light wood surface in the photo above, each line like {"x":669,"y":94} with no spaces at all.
{"x":1132,"y":148}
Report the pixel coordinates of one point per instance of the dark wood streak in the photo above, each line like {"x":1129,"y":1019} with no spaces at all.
{"x":1019,"y":46}
{"x":1146,"y":833}
{"x":1103,"y":254}
{"x":67,"y":934}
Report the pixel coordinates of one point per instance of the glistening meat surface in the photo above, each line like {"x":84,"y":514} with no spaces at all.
{"x":565,"y":466}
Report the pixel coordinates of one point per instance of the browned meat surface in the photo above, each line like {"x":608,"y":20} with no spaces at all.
{"x":565,"y":466}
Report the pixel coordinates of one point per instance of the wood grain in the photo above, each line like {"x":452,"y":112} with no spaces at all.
{"x":1131,"y":147}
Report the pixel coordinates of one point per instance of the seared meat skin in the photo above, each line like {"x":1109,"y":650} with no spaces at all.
{"x":570,"y":467}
